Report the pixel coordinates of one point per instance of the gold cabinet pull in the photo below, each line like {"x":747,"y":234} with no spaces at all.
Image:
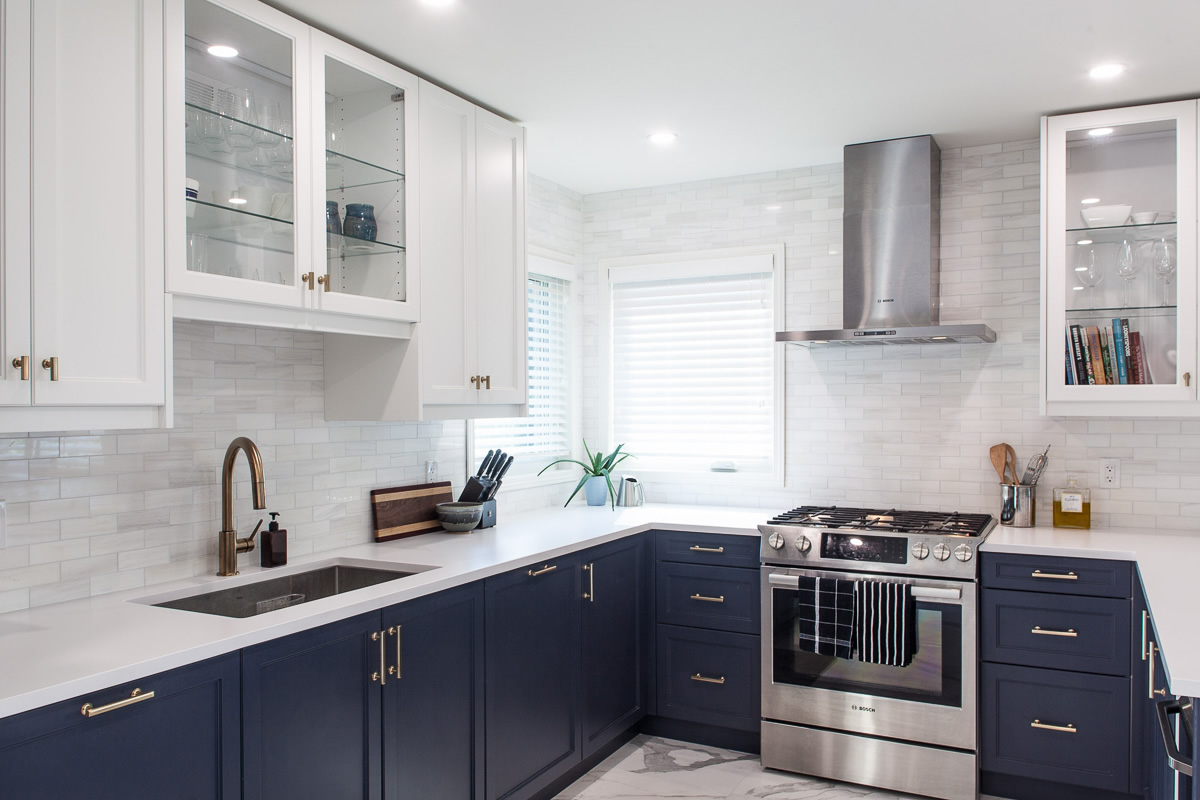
{"x":1145,"y":620}
{"x":22,"y":363}
{"x":720,"y":599}
{"x":546,"y":568}
{"x":52,"y":365}
{"x":1068,"y":728}
{"x":325,"y":280}
{"x":137,"y":696}
{"x":1154,"y":692}
{"x":1046,"y":632}
{"x":1187,"y":379}
{"x":486,"y":379}
{"x":1058,"y":576}
{"x":381,"y":675}
{"x":308,"y":278}
{"x":698,"y":549}
{"x":475,"y":379}
{"x":397,"y":670}
{"x":590,"y":594}
{"x":703,"y":679}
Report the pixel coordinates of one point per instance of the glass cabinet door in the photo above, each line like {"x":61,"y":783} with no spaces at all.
{"x":1121,"y":255}
{"x":366,"y":109}
{"x":241,"y":163}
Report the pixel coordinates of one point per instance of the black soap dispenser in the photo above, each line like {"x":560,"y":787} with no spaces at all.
{"x":273,"y":545}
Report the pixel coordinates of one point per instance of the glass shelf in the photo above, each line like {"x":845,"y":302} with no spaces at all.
{"x":346,"y":172}
{"x":343,"y":246}
{"x":260,"y":159}
{"x":233,"y":225}
{"x":1109,"y":313}
{"x":1115,"y":233}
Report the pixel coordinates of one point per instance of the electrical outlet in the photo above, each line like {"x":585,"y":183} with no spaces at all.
{"x":1110,"y":472}
{"x":430,"y":471}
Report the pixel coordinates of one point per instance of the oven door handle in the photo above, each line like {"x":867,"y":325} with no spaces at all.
{"x":777,"y":579}
{"x":934,"y":592}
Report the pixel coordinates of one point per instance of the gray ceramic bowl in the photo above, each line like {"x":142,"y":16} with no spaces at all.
{"x":459,"y":517}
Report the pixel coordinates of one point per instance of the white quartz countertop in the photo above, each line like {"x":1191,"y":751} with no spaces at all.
{"x":1168,"y":565}
{"x":57,"y":652}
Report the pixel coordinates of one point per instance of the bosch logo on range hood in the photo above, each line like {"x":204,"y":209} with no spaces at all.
{"x":890,"y":249}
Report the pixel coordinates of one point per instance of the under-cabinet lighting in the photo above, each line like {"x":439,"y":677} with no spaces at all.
{"x":1106,"y":71}
{"x":1100,"y":131}
{"x":1084,"y":241}
{"x":939,"y":338}
{"x":1087,"y":201}
{"x":222,"y":51}
{"x":1077,"y":288}
{"x":237,"y":200}
{"x":1081,"y":269}
{"x":663,"y":137}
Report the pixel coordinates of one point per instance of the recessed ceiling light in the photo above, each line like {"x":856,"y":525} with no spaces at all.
{"x":1077,"y":288}
{"x":1100,"y":131}
{"x":1087,"y":201}
{"x":438,"y":3}
{"x":1081,"y":269}
{"x":236,"y":199}
{"x":939,"y":338}
{"x":1106,"y":71}
{"x":663,"y":137}
{"x":1084,"y":241}
{"x":222,"y":51}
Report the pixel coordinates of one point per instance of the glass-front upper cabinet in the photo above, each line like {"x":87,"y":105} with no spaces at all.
{"x":1119,"y":272}
{"x":364,"y":110}
{"x":244,"y":230}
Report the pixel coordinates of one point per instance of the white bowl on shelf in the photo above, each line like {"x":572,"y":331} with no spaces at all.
{"x":1144,"y":217}
{"x":1105,"y":216}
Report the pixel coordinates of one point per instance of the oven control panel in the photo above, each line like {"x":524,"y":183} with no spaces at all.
{"x":864,"y":547}
{"x":900,"y":554}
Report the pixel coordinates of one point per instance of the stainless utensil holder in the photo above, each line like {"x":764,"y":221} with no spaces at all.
{"x":1018,"y":505}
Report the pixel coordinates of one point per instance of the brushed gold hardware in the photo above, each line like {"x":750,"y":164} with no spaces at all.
{"x":308,"y":278}
{"x":22,"y":363}
{"x":1145,"y":619}
{"x":377,"y":636}
{"x":1154,"y":692}
{"x":720,"y":599}
{"x":1068,"y":632}
{"x":1068,"y":728}
{"x":325,"y":281}
{"x":590,"y":594}
{"x":545,"y":568}
{"x":702,"y":679}
{"x":374,"y":676}
{"x":137,"y":696}
{"x":1187,"y":379}
{"x":1070,"y":576}
{"x":52,"y":365}
{"x":228,"y":543}
{"x":488,"y":380}
{"x":698,"y":549}
{"x":399,"y":651}
{"x":475,"y":379}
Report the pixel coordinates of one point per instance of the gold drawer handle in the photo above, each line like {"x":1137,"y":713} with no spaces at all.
{"x":52,"y":365}
{"x":698,"y":549}
{"x":548,"y":568}
{"x":1068,"y":632}
{"x":1068,"y":728}
{"x":137,"y":696}
{"x":702,"y":679}
{"x":22,"y":363}
{"x":1070,"y":576}
{"x":720,"y":599}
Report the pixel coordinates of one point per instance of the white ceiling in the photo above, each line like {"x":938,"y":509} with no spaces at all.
{"x":758,"y":85}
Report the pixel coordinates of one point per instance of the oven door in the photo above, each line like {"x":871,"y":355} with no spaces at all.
{"x":931,"y":701}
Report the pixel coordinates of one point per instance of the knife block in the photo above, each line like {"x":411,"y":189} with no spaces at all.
{"x":488,"y":520}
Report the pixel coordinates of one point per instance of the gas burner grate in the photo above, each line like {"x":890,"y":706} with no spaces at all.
{"x":948,"y":523}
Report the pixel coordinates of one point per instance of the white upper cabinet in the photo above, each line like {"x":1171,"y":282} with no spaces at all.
{"x":82,"y":208}
{"x":1119,"y":330}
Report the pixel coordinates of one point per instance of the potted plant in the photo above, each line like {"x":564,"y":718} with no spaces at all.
{"x":596,"y":475}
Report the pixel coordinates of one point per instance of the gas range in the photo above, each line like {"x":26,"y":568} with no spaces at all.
{"x":877,"y":540}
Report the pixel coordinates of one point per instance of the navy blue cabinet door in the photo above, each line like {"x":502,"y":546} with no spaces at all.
{"x":181,"y":743}
{"x":532,"y":656}
{"x":433,"y":704}
{"x":311,"y":714}
{"x":616,"y":638}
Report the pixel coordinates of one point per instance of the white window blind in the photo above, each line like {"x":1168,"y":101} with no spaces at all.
{"x":693,"y":365}
{"x":546,"y":432}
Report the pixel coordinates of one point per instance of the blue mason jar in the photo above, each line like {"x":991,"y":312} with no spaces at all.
{"x":333,"y":220}
{"x":360,"y":221}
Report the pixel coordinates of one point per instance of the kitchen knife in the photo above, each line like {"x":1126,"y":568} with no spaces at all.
{"x":504,"y":469}
{"x":483,"y":465}
{"x":497,"y":463}
{"x":495,"y":487}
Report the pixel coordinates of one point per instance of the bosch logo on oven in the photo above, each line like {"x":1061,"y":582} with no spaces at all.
{"x":862,"y":708}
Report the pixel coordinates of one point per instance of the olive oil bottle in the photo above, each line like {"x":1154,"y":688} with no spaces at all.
{"x":1072,"y":506}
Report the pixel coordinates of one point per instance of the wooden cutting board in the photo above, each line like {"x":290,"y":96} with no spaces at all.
{"x":408,"y":510}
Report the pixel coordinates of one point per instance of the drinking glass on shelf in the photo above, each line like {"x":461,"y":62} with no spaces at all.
{"x":1089,"y":268}
{"x":239,"y":109}
{"x":281,"y":154}
{"x":1164,"y":261}
{"x":266,"y":115}
{"x":212,"y":134}
{"x":1128,"y":267}
{"x":197,"y":252}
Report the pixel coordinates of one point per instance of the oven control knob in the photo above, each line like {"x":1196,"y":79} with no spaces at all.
{"x":803,"y":544}
{"x":963,"y":553}
{"x":940,"y":551}
{"x":920,"y":551}
{"x":776,"y":541}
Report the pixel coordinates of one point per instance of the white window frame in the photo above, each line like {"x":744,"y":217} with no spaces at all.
{"x":552,"y":264}
{"x":692,"y":264}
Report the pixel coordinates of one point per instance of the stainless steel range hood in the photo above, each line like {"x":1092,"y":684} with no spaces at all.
{"x":890,"y":249}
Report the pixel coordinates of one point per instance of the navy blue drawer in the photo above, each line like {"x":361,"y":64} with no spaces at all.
{"x":709,"y":677}
{"x":1086,"y":634}
{"x":1086,"y":576}
{"x":707,"y":548}
{"x":1085,"y":741}
{"x":708,"y":597}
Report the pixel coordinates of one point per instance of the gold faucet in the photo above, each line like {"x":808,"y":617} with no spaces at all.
{"x":229,"y":545}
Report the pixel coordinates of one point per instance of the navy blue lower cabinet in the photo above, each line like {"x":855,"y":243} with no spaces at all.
{"x":1085,"y":634}
{"x":433,"y":702}
{"x":311,"y":713}
{"x":710,"y":677}
{"x":181,"y":741}
{"x":703,"y":596}
{"x":616,"y":639}
{"x":532,"y":656}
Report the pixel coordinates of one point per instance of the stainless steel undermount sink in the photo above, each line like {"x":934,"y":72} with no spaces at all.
{"x":271,"y":594}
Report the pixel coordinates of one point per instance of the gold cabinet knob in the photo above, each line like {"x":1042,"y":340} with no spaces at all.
{"x":308,"y":278}
{"x":22,"y":363}
{"x":52,"y":365}
{"x":325,"y":280}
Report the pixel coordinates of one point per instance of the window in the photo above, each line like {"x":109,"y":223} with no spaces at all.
{"x":548,"y":432}
{"x":695,"y":375}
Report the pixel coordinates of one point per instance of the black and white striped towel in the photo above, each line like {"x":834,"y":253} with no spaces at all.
{"x":885,"y":623}
{"x":825,"y":616}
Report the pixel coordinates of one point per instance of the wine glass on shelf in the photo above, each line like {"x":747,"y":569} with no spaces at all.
{"x":1128,"y":267}
{"x":1163,"y":259}
{"x":1089,"y":269}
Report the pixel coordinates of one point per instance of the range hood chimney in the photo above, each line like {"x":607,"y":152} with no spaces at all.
{"x":890,"y":230}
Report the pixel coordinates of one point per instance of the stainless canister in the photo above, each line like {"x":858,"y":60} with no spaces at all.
{"x":1018,"y":505}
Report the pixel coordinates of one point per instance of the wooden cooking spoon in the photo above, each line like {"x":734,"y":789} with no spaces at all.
{"x":1010,"y":463}
{"x":999,"y":455}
